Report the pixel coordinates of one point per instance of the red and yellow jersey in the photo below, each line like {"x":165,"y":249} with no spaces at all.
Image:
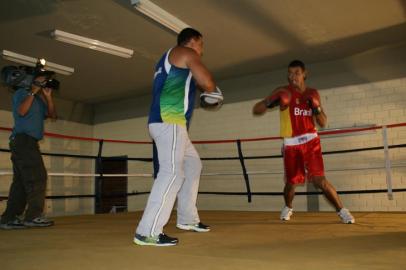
{"x":297,"y":118}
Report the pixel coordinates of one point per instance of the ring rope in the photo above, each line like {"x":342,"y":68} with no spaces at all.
{"x":395,"y":165}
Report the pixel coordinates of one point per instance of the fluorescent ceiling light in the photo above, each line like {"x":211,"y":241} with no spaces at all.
{"x":92,"y":44}
{"x":31,"y":61}
{"x":159,"y":15}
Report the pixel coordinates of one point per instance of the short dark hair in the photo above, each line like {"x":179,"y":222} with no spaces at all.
{"x":297,"y":63}
{"x":187,"y":34}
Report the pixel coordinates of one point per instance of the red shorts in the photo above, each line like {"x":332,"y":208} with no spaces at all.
{"x":303,"y":160}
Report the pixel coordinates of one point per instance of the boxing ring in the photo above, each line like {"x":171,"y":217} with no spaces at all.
{"x":246,"y":230}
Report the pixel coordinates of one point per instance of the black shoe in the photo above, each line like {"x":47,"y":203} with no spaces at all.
{"x":161,"y":240}
{"x":199,"y":227}
{"x":12,"y":225}
{"x":39,"y":222}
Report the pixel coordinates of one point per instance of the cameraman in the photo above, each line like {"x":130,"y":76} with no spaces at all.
{"x":30,"y":108}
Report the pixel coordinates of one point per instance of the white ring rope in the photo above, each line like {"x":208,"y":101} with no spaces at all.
{"x":89,"y":174}
{"x":397,"y":165}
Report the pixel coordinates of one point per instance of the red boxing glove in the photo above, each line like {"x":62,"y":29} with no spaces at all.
{"x":313,"y":99}
{"x":281,"y":98}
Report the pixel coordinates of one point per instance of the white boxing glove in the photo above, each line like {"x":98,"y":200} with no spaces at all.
{"x":211,"y":99}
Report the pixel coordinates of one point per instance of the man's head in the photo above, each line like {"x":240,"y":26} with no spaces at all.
{"x":191,"y":38}
{"x":296,"y":73}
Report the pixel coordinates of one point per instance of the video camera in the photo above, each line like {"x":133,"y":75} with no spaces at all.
{"x":23,"y":76}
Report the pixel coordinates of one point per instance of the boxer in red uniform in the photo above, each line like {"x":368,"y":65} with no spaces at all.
{"x":300,"y":108}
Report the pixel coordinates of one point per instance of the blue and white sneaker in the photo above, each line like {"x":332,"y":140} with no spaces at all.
{"x":198,"y":227}
{"x":162,"y":240}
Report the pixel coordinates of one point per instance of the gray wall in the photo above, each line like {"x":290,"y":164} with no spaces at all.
{"x":372,"y":66}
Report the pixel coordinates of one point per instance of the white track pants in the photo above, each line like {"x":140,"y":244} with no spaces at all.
{"x":178,"y":176}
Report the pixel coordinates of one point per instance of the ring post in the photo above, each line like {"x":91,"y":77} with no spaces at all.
{"x":99,"y":177}
{"x":387,"y":162}
{"x":99,"y":159}
{"x":244,"y":171}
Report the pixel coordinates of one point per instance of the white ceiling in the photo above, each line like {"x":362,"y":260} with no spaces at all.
{"x":241,"y":37}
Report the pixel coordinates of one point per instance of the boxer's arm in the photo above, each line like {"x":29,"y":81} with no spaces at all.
{"x":200,"y":73}
{"x":183,"y":57}
{"x":321,"y":118}
{"x":278,"y":97}
{"x":318,"y":112}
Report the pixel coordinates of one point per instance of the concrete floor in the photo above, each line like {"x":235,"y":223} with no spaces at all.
{"x":238,"y":240}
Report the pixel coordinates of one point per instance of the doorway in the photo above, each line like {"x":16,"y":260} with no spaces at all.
{"x":111,"y":192}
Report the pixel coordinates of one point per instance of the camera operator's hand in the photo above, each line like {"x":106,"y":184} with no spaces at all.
{"x":35,"y":88}
{"x":47,"y":92}
{"x":50,"y":103}
{"x":27,"y":102}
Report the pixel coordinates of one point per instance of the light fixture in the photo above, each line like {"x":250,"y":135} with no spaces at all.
{"x":42,"y":61}
{"x":159,"y":15}
{"x":92,"y":44}
{"x":31,"y":61}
